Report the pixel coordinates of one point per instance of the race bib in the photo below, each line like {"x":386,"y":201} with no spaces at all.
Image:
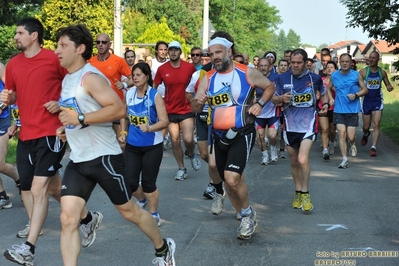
{"x":220,"y":99}
{"x":304,"y":99}
{"x":136,"y":119}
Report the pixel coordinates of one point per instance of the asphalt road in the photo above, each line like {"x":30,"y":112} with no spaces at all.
{"x":355,"y":217}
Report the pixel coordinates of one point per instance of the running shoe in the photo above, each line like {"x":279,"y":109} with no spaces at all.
{"x":20,"y":254}
{"x":331,"y":147}
{"x":25,"y":232}
{"x":273,"y":153}
{"x":248,"y":226}
{"x":265,"y":160}
{"x":168,"y":258}
{"x":142,"y":205}
{"x":364,"y":140}
{"x":217,"y":205}
{"x":326,"y":154}
{"x":195,"y":162}
{"x":238,"y":216}
{"x":282,"y":155}
{"x":181,"y":174}
{"x":306,"y":202}
{"x":166,"y":142}
{"x":353,"y":150}
{"x":297,"y":203}
{"x":157,"y":219}
{"x":373,"y":153}
{"x":5,"y":203}
{"x":344,"y":164}
{"x":89,"y":230}
{"x":210,"y":191}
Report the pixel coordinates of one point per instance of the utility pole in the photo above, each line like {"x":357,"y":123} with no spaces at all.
{"x":118,"y":27}
{"x":205,"y":25}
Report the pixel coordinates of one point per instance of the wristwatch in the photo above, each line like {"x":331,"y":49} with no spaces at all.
{"x":261,"y":103}
{"x":81,"y":118}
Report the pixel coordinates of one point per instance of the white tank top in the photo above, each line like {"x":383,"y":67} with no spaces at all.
{"x":155,"y":64}
{"x":91,"y":141}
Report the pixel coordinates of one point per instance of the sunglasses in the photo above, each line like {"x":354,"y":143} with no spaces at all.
{"x":103,"y":42}
{"x":197,"y":55}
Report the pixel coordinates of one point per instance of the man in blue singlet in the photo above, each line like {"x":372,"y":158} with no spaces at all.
{"x":296,"y":90}
{"x":349,"y":86}
{"x":373,"y":102}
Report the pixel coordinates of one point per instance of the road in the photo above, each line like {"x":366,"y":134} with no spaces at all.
{"x":355,"y":215}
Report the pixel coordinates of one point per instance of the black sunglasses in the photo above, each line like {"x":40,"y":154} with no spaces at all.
{"x":103,"y":42}
{"x":198,"y":55}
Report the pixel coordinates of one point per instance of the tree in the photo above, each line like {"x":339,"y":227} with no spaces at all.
{"x":181,"y":20}
{"x":134,"y":25}
{"x":379,"y":18}
{"x":12,"y":11}
{"x":161,"y":31}
{"x":7,"y":43}
{"x":251,"y":23}
{"x":98,"y":16}
{"x":293,"y":40}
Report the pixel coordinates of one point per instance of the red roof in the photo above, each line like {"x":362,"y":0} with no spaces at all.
{"x":361,"y":47}
{"x":343,"y":44}
{"x":382,"y":46}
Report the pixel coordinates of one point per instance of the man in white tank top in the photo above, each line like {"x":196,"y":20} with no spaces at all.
{"x":90,"y":107}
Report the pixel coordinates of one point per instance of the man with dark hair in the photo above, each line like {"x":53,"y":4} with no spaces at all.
{"x":283,"y":66}
{"x":239,"y":58}
{"x":349,"y":86}
{"x":272,"y":56}
{"x":130,"y":57}
{"x":287,"y":55}
{"x":34,"y":78}
{"x":296,"y":90}
{"x":319,"y":65}
{"x":89,"y":106}
{"x":176,"y":75}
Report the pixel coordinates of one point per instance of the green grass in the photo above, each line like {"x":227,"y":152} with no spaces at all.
{"x":12,"y":151}
{"x":389,"y":122}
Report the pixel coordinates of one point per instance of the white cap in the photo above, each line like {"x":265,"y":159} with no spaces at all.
{"x":222,"y":41}
{"x":174,"y":44}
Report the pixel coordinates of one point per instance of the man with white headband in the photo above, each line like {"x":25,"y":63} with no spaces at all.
{"x":229,"y":90}
{"x":272,"y":56}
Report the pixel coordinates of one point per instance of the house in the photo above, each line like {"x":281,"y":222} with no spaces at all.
{"x":385,"y":51}
{"x":348,"y":46}
{"x":358,"y":53}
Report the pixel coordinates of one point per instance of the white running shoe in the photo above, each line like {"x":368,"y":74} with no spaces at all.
{"x":273,"y":153}
{"x":217,"y":205}
{"x":168,"y":258}
{"x":89,"y":230}
{"x":181,"y":175}
{"x":20,"y":254}
{"x":353,"y":150}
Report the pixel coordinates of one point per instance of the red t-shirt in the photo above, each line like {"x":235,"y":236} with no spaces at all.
{"x":176,"y":81}
{"x":36,"y":81}
{"x":113,"y":68}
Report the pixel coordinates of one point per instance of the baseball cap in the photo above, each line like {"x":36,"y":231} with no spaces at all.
{"x":174,"y":44}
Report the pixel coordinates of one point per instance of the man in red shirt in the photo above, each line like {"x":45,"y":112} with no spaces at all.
{"x":176,"y":75}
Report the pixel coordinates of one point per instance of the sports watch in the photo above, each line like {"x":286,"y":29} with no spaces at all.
{"x":81,"y":118}
{"x":261,"y":103}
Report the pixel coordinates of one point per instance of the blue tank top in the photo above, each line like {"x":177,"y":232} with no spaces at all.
{"x":6,"y":111}
{"x":142,"y":111}
{"x":373,"y":82}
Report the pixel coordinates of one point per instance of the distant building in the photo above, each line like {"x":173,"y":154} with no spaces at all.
{"x":385,"y":51}
{"x":348,"y":46}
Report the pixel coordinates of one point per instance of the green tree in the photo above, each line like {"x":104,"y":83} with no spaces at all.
{"x":293,"y":40}
{"x":98,"y":16}
{"x":7,"y":43}
{"x":379,"y":18}
{"x":12,"y":11}
{"x":161,"y":31}
{"x":181,"y":20}
{"x":251,"y":23}
{"x":134,"y":25}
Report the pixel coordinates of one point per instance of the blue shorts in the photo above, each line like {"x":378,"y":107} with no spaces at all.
{"x":368,"y":107}
{"x":5,"y":123}
{"x":272,"y":122}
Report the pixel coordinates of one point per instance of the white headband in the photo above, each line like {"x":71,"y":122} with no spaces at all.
{"x":270,"y":54}
{"x":222,"y":41}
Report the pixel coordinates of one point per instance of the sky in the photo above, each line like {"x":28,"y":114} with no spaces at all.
{"x":317,"y":21}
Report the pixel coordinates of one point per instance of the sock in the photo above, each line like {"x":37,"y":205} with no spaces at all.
{"x":373,"y":147}
{"x":154,"y":213}
{"x":307,"y":192}
{"x":345,"y":158}
{"x":298,"y":192}
{"x":3,"y":195}
{"x":182,"y":168}
{"x":219,"y":188}
{"x":162,"y":250}
{"x":264,"y":153}
{"x":87,"y":219}
{"x":246,"y":212}
{"x":31,"y":247}
{"x":325,"y":150}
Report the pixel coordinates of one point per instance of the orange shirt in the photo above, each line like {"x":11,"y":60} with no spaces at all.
{"x":113,"y":68}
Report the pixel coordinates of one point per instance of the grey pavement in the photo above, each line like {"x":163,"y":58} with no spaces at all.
{"x":355,"y":215}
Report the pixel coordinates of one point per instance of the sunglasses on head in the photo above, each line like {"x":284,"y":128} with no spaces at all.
{"x":197,"y":55}
{"x":103,"y":42}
